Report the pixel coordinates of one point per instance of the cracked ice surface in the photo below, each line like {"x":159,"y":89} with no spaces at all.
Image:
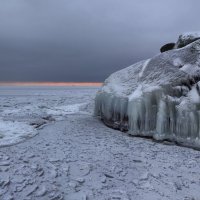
{"x":159,"y":97}
{"x":24,"y":110}
{"x":80,"y":158}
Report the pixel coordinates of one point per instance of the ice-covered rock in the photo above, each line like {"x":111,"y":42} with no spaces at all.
{"x":187,"y":38}
{"x":158,"y":97}
{"x":183,"y":40}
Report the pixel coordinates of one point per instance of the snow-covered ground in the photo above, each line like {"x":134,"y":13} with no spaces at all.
{"x":73,"y":156}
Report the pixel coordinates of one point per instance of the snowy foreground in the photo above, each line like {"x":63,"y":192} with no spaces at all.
{"x":73,"y":156}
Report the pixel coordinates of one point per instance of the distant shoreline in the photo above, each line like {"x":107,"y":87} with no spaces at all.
{"x":50,"y":84}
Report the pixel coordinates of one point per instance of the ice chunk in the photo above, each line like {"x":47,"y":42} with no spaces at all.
{"x":60,"y":111}
{"x":14,"y":132}
{"x":159,"y":97}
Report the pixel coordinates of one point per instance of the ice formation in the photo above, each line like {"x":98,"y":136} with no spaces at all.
{"x":12,"y":132}
{"x":159,"y":97}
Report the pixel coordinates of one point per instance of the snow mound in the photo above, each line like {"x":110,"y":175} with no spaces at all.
{"x":159,"y":97}
{"x":60,"y":111}
{"x":14,"y":132}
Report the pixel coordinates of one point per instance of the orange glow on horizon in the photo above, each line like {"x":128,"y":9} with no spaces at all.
{"x":50,"y":84}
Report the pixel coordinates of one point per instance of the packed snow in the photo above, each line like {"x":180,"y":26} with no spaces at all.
{"x":159,"y":97}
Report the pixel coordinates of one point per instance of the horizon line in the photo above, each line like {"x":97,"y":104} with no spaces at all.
{"x":49,"y":83}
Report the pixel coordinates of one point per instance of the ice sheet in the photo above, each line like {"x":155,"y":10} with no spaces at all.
{"x":25,"y":109}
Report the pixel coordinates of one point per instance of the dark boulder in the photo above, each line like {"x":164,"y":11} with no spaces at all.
{"x":167,"y":47}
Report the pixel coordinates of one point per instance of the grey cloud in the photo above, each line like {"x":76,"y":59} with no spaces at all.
{"x":86,"y":40}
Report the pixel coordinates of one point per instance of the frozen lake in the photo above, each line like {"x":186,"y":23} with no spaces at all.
{"x":24,"y":109}
{"x":52,"y":148}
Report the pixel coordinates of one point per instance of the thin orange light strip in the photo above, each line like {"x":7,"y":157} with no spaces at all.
{"x":50,"y":84}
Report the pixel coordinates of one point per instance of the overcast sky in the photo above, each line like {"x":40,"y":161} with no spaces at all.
{"x":86,"y":40}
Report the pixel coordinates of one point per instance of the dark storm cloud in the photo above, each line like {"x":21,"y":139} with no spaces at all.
{"x":86,"y":40}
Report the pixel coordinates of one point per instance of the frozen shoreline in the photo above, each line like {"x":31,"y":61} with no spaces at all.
{"x":80,"y":158}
